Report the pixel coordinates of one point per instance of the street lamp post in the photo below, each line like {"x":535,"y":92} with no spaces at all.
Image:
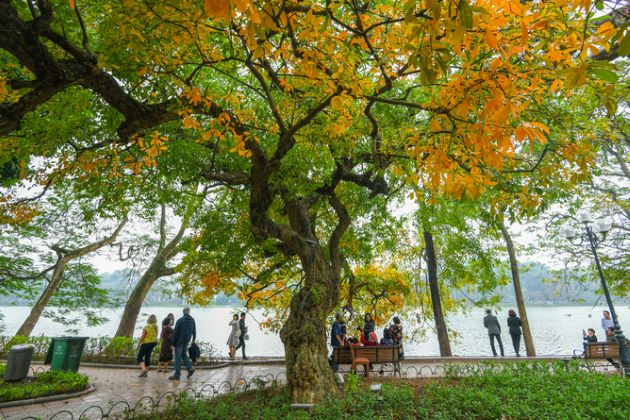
{"x":594,"y":239}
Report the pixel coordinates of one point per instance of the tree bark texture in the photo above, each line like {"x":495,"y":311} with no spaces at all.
{"x":63,"y":258}
{"x":36,"y":311}
{"x":434,"y":287}
{"x":156,"y":270}
{"x":129,"y":317}
{"x":309,"y":375}
{"x":518,"y":292}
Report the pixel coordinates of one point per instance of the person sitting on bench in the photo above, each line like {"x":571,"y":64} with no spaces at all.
{"x":589,"y":337}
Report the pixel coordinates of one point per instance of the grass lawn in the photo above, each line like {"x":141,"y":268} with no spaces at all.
{"x":42,"y":384}
{"x":501,"y":391}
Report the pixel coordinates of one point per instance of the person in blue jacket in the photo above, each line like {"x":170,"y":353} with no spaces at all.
{"x":184,"y":331}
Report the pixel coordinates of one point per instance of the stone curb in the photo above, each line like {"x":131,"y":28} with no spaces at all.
{"x":113,"y":366}
{"x":105,"y":366}
{"x":48,"y":398}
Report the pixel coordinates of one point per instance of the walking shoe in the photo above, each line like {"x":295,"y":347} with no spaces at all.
{"x":174,"y":378}
{"x":190,"y":373}
{"x":143,"y":374}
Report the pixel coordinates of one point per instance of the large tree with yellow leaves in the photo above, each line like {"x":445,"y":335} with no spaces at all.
{"x":309,"y":109}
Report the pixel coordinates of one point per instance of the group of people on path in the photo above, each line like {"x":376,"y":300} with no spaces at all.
{"x":175,"y":344}
{"x":178,"y":342}
{"x":491,"y":322}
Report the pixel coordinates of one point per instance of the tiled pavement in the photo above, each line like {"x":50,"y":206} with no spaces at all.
{"x":114,"y":385}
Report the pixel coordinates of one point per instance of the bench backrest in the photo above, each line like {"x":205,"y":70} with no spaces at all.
{"x":375,"y":354}
{"x":605,"y":350}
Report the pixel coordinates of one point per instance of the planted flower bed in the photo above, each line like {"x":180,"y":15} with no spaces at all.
{"x":42,"y":384}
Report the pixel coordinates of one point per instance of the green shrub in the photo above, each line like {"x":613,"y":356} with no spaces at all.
{"x":113,"y":350}
{"x":488,"y":391}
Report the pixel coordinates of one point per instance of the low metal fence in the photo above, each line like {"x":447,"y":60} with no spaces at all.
{"x":156,"y":404}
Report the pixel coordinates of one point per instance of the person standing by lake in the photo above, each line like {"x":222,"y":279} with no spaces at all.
{"x":494,"y":331}
{"x":147,"y":342}
{"x":166,"y":348}
{"x":185,"y":330}
{"x":607,"y":322}
{"x":232,"y":341}
{"x":514,"y":326}
{"x":242,"y":338}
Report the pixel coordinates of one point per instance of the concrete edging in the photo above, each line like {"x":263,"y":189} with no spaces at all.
{"x":48,"y":398}
{"x":106,"y":365}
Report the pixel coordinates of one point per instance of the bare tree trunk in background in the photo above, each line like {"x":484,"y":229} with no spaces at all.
{"x":518,"y":292}
{"x":434,"y":287}
{"x":64,"y":256}
{"x":156,"y":270}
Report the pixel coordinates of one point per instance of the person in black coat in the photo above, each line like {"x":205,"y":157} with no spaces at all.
{"x":241,"y":338}
{"x":514,"y":325}
{"x":185,"y":330}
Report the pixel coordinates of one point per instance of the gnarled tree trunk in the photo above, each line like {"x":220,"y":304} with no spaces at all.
{"x":304,"y":333}
{"x":434,"y":287}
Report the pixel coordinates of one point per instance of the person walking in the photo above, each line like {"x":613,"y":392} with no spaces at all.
{"x":337,"y":338}
{"x":232,"y":341}
{"x":494,"y":331}
{"x":607,"y":322}
{"x":148,"y":341}
{"x":514,"y":326}
{"x":166,"y":348}
{"x":185,"y":330}
{"x":243,"y":336}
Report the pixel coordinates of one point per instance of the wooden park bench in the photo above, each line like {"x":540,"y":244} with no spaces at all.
{"x":603,"y":351}
{"x":374,"y":354}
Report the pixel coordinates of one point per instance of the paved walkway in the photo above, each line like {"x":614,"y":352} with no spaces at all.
{"x":114,"y":385}
{"x":123,"y":384}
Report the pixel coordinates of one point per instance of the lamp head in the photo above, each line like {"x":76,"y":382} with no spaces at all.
{"x":585,"y":217}
{"x":568,"y":232}
{"x":603,"y":226}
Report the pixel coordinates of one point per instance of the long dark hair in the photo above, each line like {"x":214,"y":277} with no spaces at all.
{"x":365,"y":317}
{"x":511,"y":312}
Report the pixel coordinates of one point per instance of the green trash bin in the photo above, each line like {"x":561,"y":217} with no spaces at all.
{"x":64,"y":353}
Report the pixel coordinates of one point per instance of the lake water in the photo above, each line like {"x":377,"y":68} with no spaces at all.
{"x":556,"y":329}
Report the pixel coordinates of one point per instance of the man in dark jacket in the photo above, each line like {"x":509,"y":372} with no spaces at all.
{"x":184,"y":331}
{"x":241,"y":338}
{"x":494,"y":331}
